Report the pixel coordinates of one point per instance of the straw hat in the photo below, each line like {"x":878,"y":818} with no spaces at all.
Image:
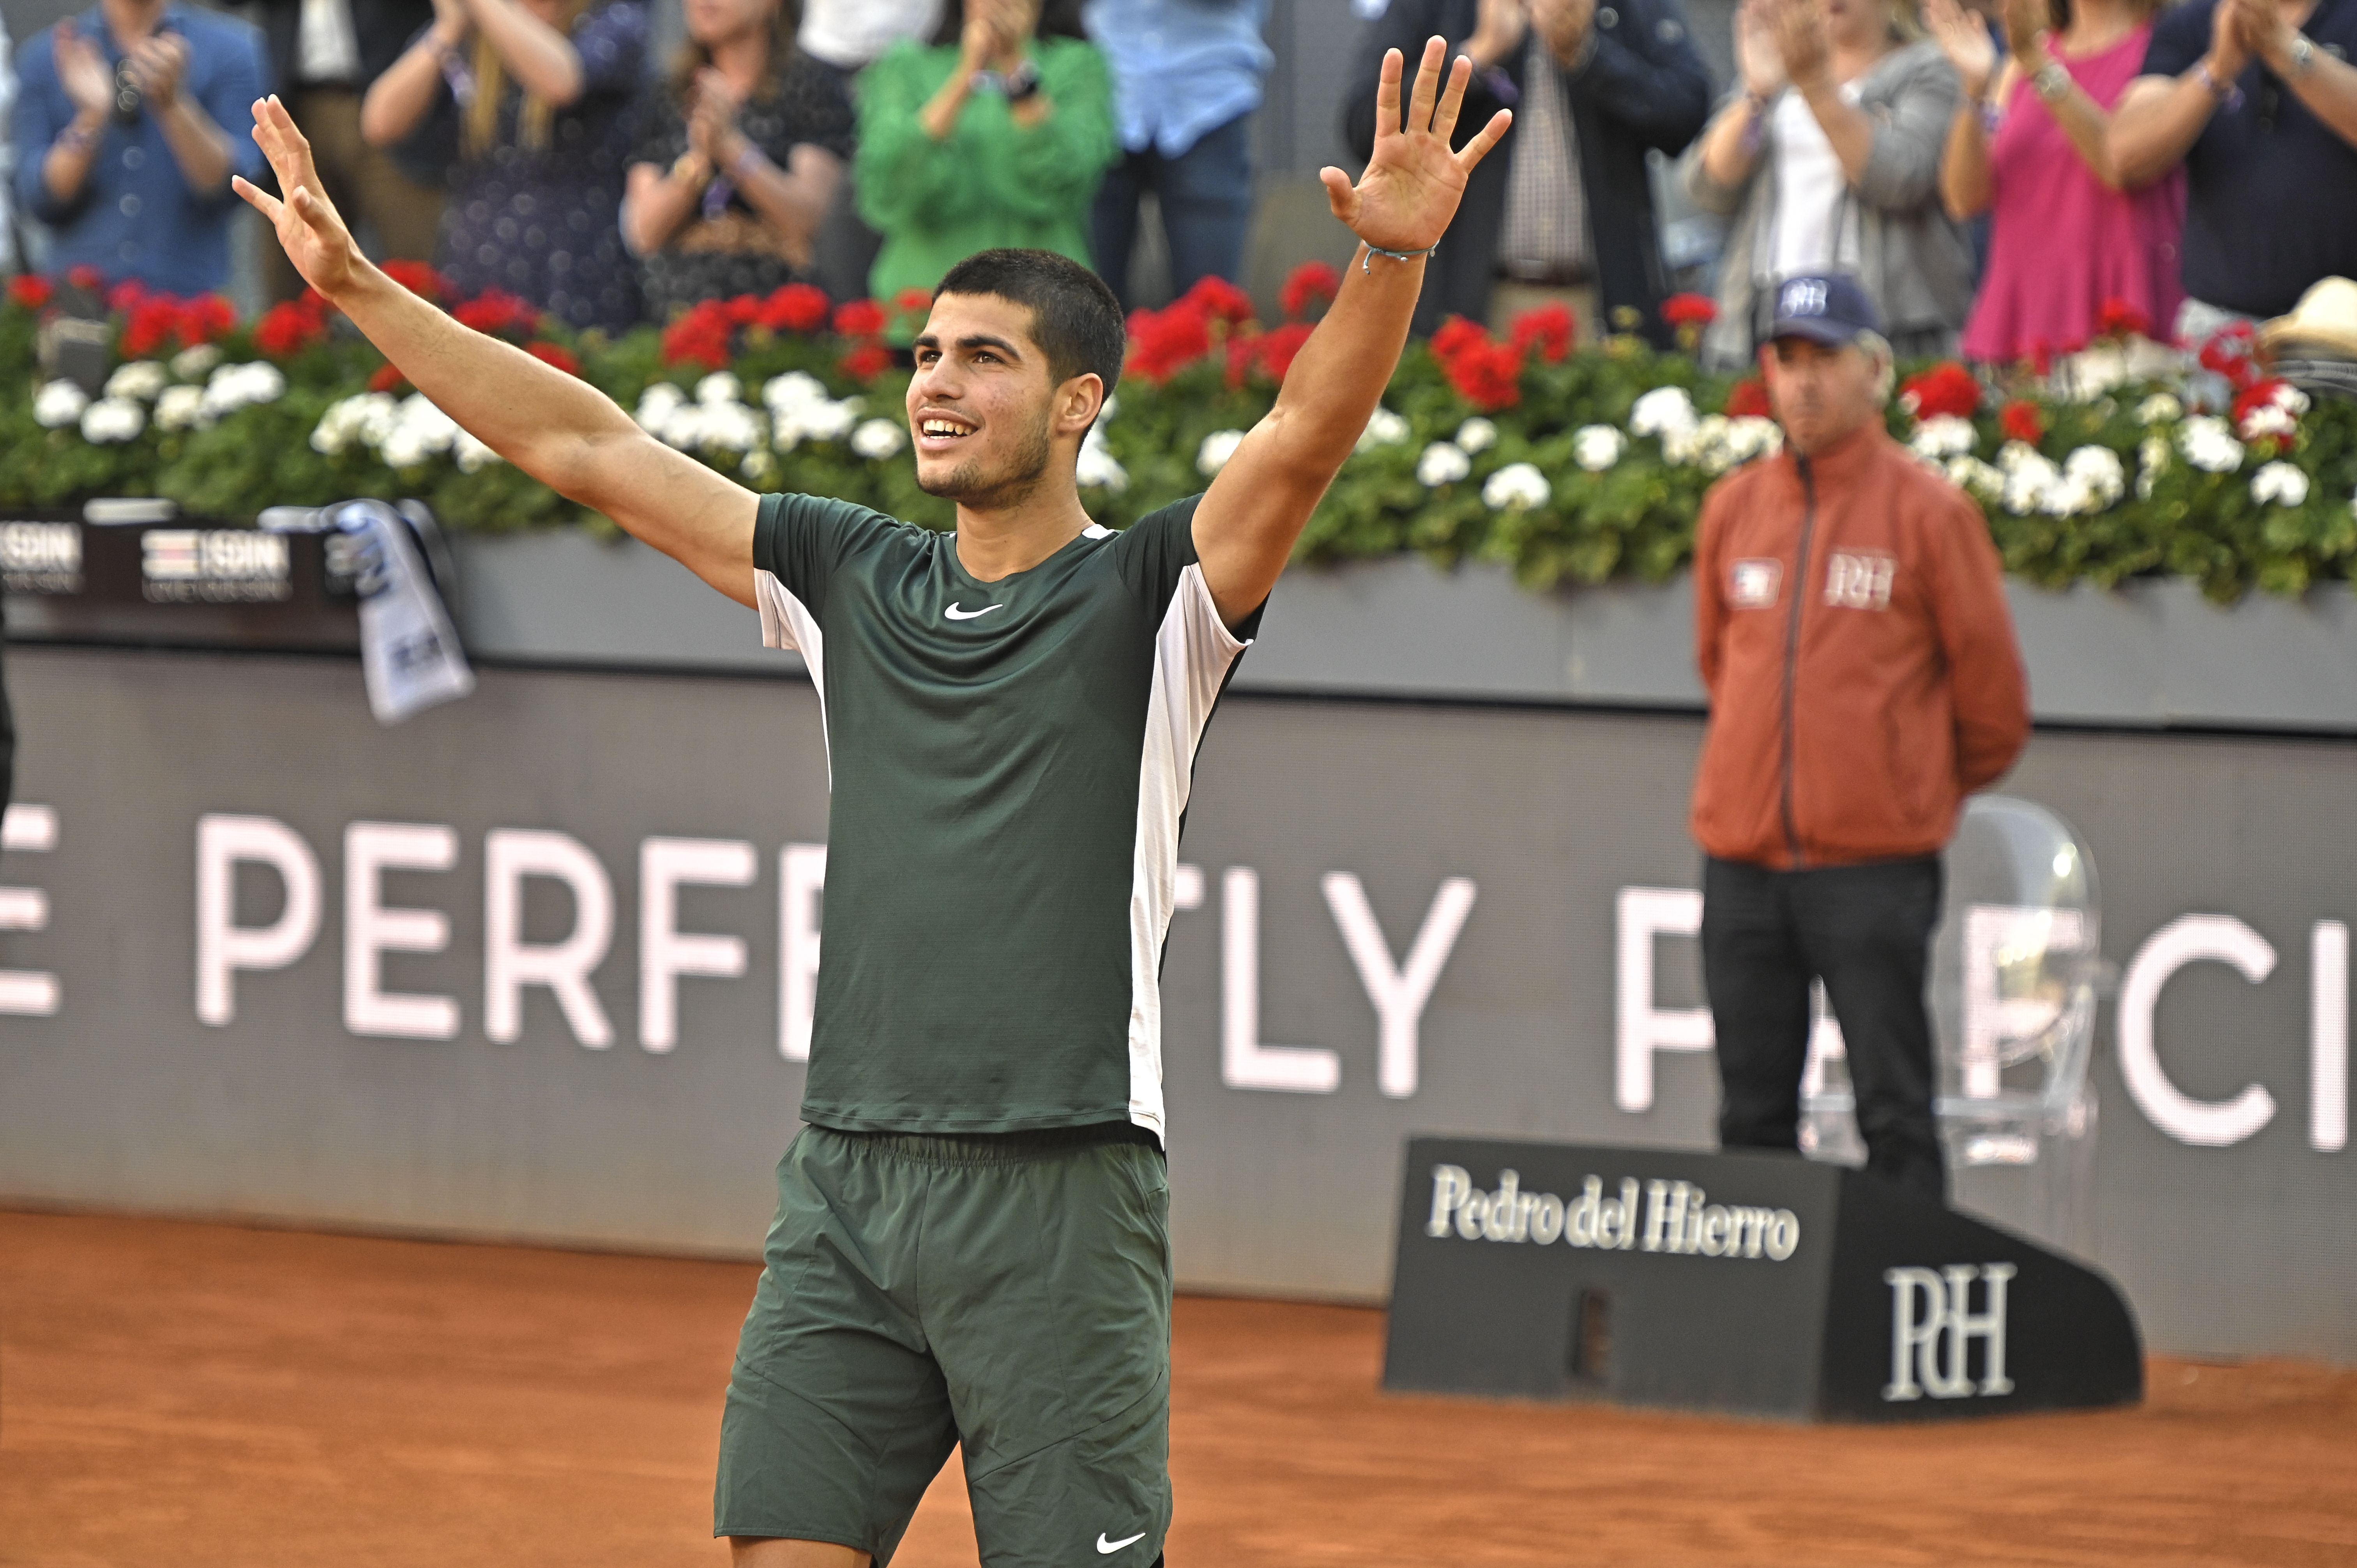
{"x":2323,"y":326}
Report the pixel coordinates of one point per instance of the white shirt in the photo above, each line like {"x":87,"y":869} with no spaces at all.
{"x":1811,"y":189}
{"x":327,"y":46}
{"x":850,"y":34}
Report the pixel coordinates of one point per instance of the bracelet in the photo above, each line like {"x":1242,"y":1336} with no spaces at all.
{"x":1367,"y":262}
{"x":2303,"y":56}
{"x":2226,"y":93}
{"x":1992,"y":116}
{"x":2051,"y":82}
{"x":74,"y":140}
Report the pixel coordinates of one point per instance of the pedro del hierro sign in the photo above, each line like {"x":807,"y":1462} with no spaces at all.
{"x":1737,"y":1282}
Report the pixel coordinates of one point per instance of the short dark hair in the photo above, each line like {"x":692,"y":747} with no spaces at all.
{"x":1075,"y":318}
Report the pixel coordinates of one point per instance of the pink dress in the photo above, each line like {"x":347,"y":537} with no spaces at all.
{"x":2061,"y":246}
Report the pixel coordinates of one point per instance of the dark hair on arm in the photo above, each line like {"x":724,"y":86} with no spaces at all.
{"x":1075,"y":318}
{"x":1057,"y":19}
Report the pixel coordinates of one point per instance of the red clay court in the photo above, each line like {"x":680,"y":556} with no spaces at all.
{"x":208,"y":1395}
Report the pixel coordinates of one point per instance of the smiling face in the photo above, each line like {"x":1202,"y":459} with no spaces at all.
{"x":989,"y":421}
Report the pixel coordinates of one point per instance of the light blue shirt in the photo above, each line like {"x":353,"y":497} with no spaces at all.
{"x":1180,"y":67}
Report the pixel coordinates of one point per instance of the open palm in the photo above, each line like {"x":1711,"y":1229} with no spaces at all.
{"x":308,"y":223}
{"x":1414,"y":179}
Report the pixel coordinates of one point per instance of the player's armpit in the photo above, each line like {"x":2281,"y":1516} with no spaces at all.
{"x":667,"y":499}
{"x":1247,"y":522}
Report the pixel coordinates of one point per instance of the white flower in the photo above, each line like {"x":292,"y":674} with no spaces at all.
{"x":1099,"y":469}
{"x":402,"y":448}
{"x":419,"y":415}
{"x":719,"y":387}
{"x":729,"y":426}
{"x":1984,"y":480}
{"x":183,"y":408}
{"x":233,"y":387}
{"x":2160,"y":409}
{"x":2277,"y":482}
{"x":1443,"y":463}
{"x":822,"y":420}
{"x":1476,"y":435}
{"x":409,"y":433}
{"x":2208,"y":445}
{"x":1596,"y":447}
{"x":2090,"y":373}
{"x":2098,"y":468}
{"x":2068,"y":495}
{"x":1515,"y":487}
{"x":795,"y":388}
{"x":1943,"y":436}
{"x":1384,"y":429}
{"x":113,"y":419}
{"x":1217,"y":448}
{"x":194,"y":364}
{"x":657,"y":404}
{"x":471,"y":454}
{"x":142,"y":379}
{"x":1111,"y":406}
{"x":2268,"y":419}
{"x":758,"y":466}
{"x":2290,"y":399}
{"x":1752,"y":436}
{"x":59,"y":405}
{"x":877,"y":439}
{"x":2030,"y":477}
{"x":1663,"y":411}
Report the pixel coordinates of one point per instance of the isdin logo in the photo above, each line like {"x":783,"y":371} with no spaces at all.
{"x":1933,"y":1326}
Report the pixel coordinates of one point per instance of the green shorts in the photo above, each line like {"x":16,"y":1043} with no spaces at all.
{"x":1011,"y":1294}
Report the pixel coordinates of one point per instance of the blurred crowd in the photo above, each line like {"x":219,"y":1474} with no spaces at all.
{"x":2010,"y":182}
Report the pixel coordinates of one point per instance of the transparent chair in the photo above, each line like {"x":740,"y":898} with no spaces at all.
{"x":2017,"y":969}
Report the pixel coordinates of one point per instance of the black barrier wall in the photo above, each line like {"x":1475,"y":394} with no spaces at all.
{"x":529,"y":966}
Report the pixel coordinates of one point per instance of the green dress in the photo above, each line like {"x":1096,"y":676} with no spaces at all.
{"x":992,"y":183}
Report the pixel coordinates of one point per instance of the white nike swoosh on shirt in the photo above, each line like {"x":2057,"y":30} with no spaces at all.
{"x":956,"y":614}
{"x":1105,"y":1547}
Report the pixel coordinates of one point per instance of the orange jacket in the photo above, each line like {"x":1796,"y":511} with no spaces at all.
{"x":1848,"y":721}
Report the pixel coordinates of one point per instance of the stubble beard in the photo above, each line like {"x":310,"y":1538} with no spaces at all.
{"x":969,"y":485}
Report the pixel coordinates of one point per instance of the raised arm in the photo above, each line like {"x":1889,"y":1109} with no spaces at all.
{"x":555,"y":427}
{"x":2162,"y":115}
{"x":1246,"y":525}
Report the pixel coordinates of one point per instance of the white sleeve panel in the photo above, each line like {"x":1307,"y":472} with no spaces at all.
{"x":787,"y":622}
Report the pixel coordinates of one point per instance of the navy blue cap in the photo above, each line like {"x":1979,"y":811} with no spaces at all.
{"x":1825,"y":308}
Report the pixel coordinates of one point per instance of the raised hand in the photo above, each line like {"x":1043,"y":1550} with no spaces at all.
{"x":1565,"y":23}
{"x":1965,"y":41}
{"x":158,"y":62}
{"x":2230,"y":47}
{"x":308,"y":223}
{"x":1498,"y":28}
{"x":1756,"y":54}
{"x":1800,"y":40}
{"x":1415,"y":180}
{"x":83,"y":71}
{"x":2028,"y":23}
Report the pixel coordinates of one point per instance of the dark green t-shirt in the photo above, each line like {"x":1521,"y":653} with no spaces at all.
{"x":1010,"y":764}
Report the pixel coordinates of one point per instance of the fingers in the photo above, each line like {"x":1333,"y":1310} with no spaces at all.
{"x":1427,"y":83}
{"x":1341,"y":196}
{"x":1490,"y":136}
{"x":1452,"y":99}
{"x":261,"y":200}
{"x":1387,"y":95}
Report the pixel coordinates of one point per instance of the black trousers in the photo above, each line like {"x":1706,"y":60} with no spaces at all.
{"x":1865,"y":931}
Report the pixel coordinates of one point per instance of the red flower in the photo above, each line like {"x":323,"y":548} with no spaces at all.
{"x":150,"y":325}
{"x":204,"y":318}
{"x":699,"y":336}
{"x":1549,"y":328}
{"x":125,"y":294}
{"x":2022,"y":421}
{"x":554,"y":354}
{"x":859,"y":318}
{"x":743,"y":311}
{"x":868,"y":361}
{"x":1271,"y":351}
{"x":495,"y":311}
{"x":30,"y":290}
{"x":2260,"y":394}
{"x":84,"y":276}
{"x":912,"y":302}
{"x":1684,"y":310}
{"x":1219,"y":299}
{"x":1947,"y":389}
{"x":796,"y":307}
{"x":386,"y":378}
{"x":418,"y":278}
{"x":1310,"y":283}
{"x":287,"y":329}
{"x":1455,"y":336}
{"x":1747,"y":399}
{"x":2119,"y":318}
{"x":2041,"y":358}
{"x":1163,"y":342}
{"x":1488,"y":375}
{"x":2228,"y":354}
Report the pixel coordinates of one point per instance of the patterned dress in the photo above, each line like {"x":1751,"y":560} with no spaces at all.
{"x":724,"y":250}
{"x":544,"y":222}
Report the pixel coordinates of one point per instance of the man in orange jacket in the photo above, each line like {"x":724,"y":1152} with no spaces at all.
{"x":1851,"y":625}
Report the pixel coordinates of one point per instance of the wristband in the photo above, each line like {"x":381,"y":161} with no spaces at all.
{"x":76,"y":140}
{"x":2051,"y":82}
{"x":2303,"y":54}
{"x":2226,"y":93}
{"x":1021,"y":84}
{"x":1367,"y":262}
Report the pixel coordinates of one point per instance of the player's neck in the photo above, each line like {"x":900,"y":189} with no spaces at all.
{"x":998,"y":542}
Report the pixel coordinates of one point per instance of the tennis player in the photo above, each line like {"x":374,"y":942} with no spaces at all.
{"x":971,"y":1244}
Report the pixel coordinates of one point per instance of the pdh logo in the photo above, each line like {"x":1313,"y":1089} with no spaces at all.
{"x":1933,"y":1325}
